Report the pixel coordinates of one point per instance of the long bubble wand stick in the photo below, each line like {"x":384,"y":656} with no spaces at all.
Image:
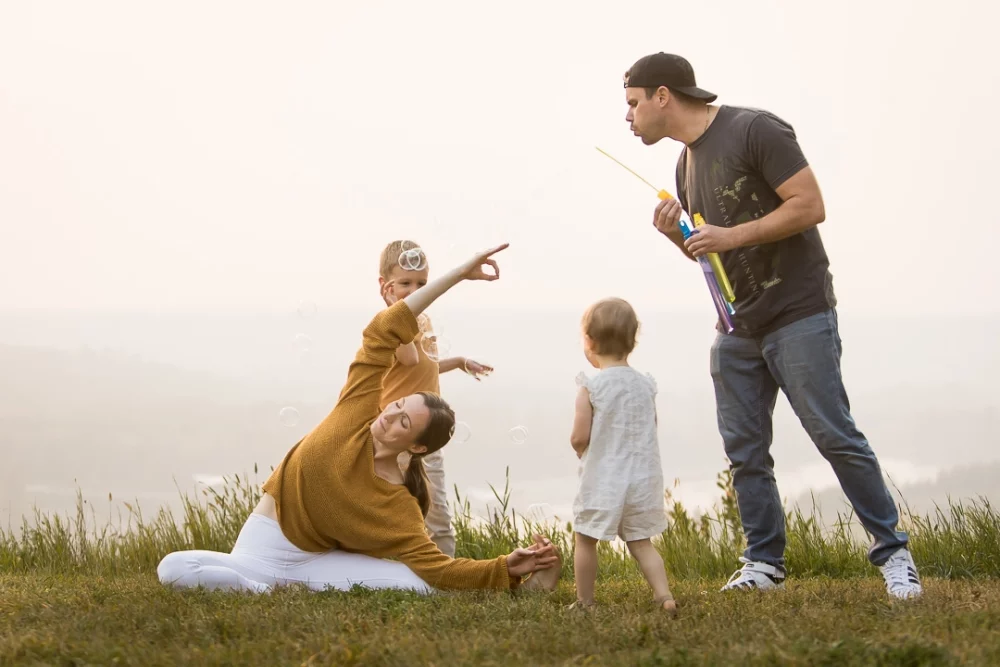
{"x":722,"y":307}
{"x":713,"y":258}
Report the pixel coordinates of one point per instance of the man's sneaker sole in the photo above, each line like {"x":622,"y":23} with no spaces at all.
{"x":755,"y":576}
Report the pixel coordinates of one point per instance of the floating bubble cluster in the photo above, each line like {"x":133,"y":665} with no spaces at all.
{"x":413,"y":259}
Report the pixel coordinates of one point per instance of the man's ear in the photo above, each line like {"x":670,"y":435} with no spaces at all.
{"x":663,"y":95}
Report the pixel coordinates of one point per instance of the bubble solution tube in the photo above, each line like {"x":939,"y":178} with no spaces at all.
{"x":722,"y":305}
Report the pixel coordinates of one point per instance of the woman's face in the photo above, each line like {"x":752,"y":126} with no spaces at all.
{"x":400,"y":423}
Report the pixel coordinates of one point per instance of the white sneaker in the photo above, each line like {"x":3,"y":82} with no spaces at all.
{"x":901,"y":579}
{"x":754,"y":575}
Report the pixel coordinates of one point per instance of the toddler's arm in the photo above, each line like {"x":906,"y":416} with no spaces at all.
{"x":582,"y":421}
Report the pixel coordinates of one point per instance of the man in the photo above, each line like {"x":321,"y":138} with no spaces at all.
{"x":744,"y":171}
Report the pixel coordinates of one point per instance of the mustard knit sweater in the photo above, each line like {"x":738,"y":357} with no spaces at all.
{"x":328,"y":495}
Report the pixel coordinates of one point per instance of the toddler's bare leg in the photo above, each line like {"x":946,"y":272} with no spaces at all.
{"x":585,"y":568}
{"x":652,"y":568}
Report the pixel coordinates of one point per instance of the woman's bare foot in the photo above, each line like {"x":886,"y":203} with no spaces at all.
{"x":544,"y":580}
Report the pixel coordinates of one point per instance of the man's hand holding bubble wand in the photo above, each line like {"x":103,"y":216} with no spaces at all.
{"x":711,"y":265}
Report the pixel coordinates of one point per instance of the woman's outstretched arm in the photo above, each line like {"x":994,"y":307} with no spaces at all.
{"x":403,"y":537}
{"x":471,"y":270}
{"x":390,"y":328}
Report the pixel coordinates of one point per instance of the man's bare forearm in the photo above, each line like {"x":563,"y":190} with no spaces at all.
{"x":794,"y":216}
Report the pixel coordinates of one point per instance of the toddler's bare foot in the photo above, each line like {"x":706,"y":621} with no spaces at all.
{"x":668,"y":605}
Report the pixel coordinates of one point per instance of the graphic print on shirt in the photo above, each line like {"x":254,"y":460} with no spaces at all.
{"x":738,"y":205}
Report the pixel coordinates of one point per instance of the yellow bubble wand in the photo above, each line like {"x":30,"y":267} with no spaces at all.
{"x":713,"y":258}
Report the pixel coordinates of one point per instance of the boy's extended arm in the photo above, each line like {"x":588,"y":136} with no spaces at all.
{"x":582,"y":421}
{"x":450,"y":364}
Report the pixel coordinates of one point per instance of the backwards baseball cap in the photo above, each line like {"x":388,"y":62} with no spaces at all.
{"x":666,"y":69}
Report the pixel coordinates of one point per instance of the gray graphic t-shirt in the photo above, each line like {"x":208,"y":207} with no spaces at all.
{"x":729,"y":176}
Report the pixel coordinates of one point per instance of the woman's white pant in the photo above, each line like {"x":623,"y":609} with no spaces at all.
{"x":263,"y":558}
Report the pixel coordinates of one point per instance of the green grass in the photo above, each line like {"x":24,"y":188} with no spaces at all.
{"x":83,"y":619}
{"x":75,"y":593}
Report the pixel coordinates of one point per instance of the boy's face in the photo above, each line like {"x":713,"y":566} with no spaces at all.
{"x":406,"y":282}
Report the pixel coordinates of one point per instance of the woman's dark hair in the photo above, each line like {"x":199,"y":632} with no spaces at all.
{"x":435,"y":435}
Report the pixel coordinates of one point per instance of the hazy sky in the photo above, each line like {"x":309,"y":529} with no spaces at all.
{"x":216,"y":155}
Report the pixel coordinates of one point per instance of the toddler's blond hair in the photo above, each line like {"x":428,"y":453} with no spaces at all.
{"x":612,"y":325}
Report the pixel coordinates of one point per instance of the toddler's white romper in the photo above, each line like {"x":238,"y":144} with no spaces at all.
{"x":621,"y":479}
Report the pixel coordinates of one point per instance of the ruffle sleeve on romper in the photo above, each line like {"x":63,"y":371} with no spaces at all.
{"x":652,"y":382}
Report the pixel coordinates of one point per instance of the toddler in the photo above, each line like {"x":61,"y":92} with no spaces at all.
{"x":614,"y":435}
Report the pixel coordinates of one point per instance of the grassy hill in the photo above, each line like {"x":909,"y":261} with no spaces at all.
{"x":78,"y":593}
{"x":131,"y":620}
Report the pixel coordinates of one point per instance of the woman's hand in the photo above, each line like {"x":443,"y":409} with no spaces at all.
{"x":539,"y":556}
{"x":420,"y":299}
{"x":473,"y":269}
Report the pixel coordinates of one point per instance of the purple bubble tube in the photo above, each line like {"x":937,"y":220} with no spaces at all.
{"x":721,"y":305}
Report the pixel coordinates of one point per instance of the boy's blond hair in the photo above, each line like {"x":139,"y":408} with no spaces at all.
{"x":390,"y":256}
{"x":612,"y":325}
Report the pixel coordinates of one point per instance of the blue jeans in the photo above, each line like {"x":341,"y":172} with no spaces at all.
{"x":803,"y":359}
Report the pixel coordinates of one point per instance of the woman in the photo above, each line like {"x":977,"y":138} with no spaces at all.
{"x":338,"y":504}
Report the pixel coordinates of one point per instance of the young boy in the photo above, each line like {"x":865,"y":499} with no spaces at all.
{"x":403,"y":270}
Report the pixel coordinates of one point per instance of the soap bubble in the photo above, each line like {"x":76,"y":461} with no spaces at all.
{"x":540,"y":512}
{"x":484,"y":373}
{"x":307,"y":309}
{"x":519,"y":435}
{"x":460,"y":433}
{"x":435,"y":346}
{"x":413,"y":259}
{"x":289,"y":416}
{"x":303,"y":342}
{"x":209,"y":480}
